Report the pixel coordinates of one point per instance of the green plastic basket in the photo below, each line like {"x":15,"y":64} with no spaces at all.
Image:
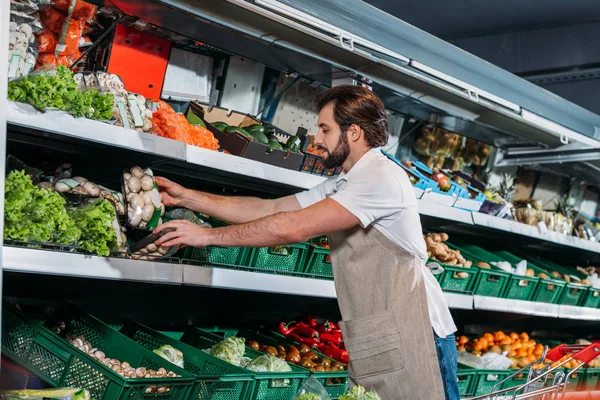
{"x":326,"y":378}
{"x":487,"y":379}
{"x":289,"y":258}
{"x":61,"y":364}
{"x":467,"y":381}
{"x":218,"y":255}
{"x":215,"y":379}
{"x":319,"y":261}
{"x":573,"y":293}
{"x":591,"y":379}
{"x":519,"y":287}
{"x":488,"y":282}
{"x":266,"y":383}
{"x":591,"y":299}
{"x":456,"y":279}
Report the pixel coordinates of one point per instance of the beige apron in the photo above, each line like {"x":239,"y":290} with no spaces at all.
{"x":386,"y":326}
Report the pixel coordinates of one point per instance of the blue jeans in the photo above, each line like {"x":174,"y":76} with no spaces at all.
{"x":448,"y":360}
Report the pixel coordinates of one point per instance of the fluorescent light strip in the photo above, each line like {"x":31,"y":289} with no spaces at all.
{"x":557,"y":129}
{"x":465,"y":86}
{"x":334,"y":30}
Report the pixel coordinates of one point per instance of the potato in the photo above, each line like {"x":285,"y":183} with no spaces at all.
{"x":482,"y":264}
{"x":530,"y":272}
{"x":543,"y":276}
{"x":555,"y":274}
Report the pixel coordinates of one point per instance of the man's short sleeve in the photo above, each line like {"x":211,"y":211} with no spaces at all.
{"x":371,"y":197}
{"x":317,"y":193}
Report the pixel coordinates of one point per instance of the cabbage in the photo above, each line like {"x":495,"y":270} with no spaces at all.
{"x":170,"y":354}
{"x":95,"y":222}
{"x":267,"y":363}
{"x":231,"y":349}
{"x":359,"y":393}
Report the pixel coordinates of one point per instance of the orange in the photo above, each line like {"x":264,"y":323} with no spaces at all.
{"x":477,"y":346}
{"x":514,"y":335}
{"x":463,"y":340}
{"x":522,"y":353}
{"x":513,"y":353}
{"x":489,"y":337}
{"x":484,"y":343}
{"x":531,"y":358}
{"x":524,"y":336}
{"x":517,"y":345}
{"x":498,"y":336}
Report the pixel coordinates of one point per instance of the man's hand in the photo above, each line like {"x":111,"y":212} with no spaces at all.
{"x":184,"y":233}
{"x":172,"y":193}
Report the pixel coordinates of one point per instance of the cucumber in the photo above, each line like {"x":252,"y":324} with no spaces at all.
{"x":292,"y":145}
{"x":260,"y":137}
{"x":255,"y":128}
{"x":274,"y":145}
{"x":220,"y":125}
{"x":233,"y":129}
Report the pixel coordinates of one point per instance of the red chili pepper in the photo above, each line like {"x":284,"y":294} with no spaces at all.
{"x":304,"y":330}
{"x":286,"y":329}
{"x":333,"y":337}
{"x":326,"y":326}
{"x":312,"y":343}
{"x":334,"y":352}
{"x":310,"y":320}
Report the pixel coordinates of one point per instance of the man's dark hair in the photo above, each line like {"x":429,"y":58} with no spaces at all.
{"x":357,"y":105}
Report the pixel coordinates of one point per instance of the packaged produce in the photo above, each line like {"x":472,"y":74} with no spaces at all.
{"x":439,"y":251}
{"x":359,"y":393}
{"x":170,"y":354}
{"x":82,"y":10}
{"x":144,"y":204}
{"x":81,"y":186}
{"x":423,"y":144}
{"x":46,"y":394}
{"x":269,"y":363}
{"x":167,"y":123}
{"x":97,"y":222}
{"x":231,"y":349}
{"x":56,"y":89}
{"x":22,"y":52}
{"x":312,"y":390}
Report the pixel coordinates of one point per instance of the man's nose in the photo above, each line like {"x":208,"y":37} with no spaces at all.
{"x":318,"y":138}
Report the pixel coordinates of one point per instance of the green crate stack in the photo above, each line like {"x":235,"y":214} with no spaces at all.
{"x":591,"y":379}
{"x":485,"y":380}
{"x":319,"y":261}
{"x":215,"y":379}
{"x":519,"y":287}
{"x":61,"y":364}
{"x":466,"y":382}
{"x":456,"y":279}
{"x":574,"y":294}
{"x":289,"y":258}
{"x":328,"y":378}
{"x":266,"y":383}
{"x":488,"y":282}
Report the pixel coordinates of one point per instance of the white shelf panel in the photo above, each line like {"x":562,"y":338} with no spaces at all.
{"x":515,"y":306}
{"x":459,"y":301}
{"x":441,"y":211}
{"x":250,"y":168}
{"x":579,"y":313}
{"x":81,"y":128}
{"x":76,"y":265}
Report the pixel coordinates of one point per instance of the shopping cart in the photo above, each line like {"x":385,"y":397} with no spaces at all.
{"x":538,"y":386}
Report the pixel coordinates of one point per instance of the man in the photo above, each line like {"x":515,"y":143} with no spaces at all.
{"x":388,"y":298}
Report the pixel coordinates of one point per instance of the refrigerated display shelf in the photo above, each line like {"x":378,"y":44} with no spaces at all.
{"x":43,"y":262}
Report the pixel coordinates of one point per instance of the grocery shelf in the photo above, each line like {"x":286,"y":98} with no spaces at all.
{"x":487,"y":303}
{"x":445,"y":212}
{"x":56,"y":122}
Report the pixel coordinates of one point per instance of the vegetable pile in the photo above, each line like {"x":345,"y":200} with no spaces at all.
{"x":56,"y":89}
{"x":359,"y":393}
{"x":439,"y":251}
{"x":94,"y":220}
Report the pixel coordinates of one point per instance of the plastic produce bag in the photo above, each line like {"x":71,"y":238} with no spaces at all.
{"x":46,"y":394}
{"x":495,"y":361}
{"x":312,"y":390}
{"x":188,"y":215}
{"x":359,"y":393}
{"x":470,"y":360}
{"x":144,"y":205}
{"x":231,"y":349}
{"x":267,"y":363}
{"x":170,"y":354}
{"x":83,"y":10}
{"x":22,"y":54}
{"x":521,"y":268}
{"x":505,"y":266}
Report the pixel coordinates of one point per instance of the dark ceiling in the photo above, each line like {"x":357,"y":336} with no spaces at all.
{"x":553,"y":43}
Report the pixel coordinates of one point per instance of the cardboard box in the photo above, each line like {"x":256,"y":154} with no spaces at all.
{"x":236,"y":143}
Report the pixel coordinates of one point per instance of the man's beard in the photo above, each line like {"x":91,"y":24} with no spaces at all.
{"x":341,"y":152}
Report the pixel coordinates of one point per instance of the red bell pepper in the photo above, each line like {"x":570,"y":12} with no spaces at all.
{"x":302,"y":329}
{"x":334,"y":352}
{"x":333,"y":337}
{"x":286,"y":329}
{"x":310,"y":342}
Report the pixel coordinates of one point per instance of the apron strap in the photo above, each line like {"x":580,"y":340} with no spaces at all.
{"x":435,"y":268}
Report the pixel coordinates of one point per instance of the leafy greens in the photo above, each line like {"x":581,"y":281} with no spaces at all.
{"x":95,"y":222}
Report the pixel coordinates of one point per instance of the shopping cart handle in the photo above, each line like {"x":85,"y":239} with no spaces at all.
{"x":581,"y":352}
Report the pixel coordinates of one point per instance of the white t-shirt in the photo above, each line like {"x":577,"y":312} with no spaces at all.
{"x":379,"y":193}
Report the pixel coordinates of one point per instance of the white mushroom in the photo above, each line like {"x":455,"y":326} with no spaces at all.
{"x":136,"y":202}
{"x":61,"y":187}
{"x":135,"y":219}
{"x":134,"y":184}
{"x":147,"y":182}
{"x":126,"y":176}
{"x":137,"y":171}
{"x":80,"y":179}
{"x":163,"y":250}
{"x":147,"y":197}
{"x":147,"y":212}
{"x":91,"y":188}
{"x":152,"y":248}
{"x":129,"y":195}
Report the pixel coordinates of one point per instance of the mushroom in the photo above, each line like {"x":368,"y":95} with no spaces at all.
{"x":80,"y":179}
{"x":161,"y":389}
{"x":163,"y":250}
{"x":147,"y":182}
{"x":126,"y":176}
{"x":137,"y":171}
{"x":134,"y":184}
{"x":147,"y":196}
{"x":99,"y":354}
{"x":147,"y":212}
{"x":136,"y":202}
{"x":61,"y":187}
{"x":140,"y":372}
{"x":46,"y":185}
{"x":135,"y":219}
{"x":161,"y":372}
{"x":152,"y":248}
{"x":91,"y":188}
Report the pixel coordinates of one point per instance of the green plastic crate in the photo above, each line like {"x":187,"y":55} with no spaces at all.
{"x":215,"y":379}
{"x":456,"y":279}
{"x":60,"y":364}
{"x":219,"y":255}
{"x":466,"y":382}
{"x":573,"y":293}
{"x":576,"y":379}
{"x":519,"y":287}
{"x":319,"y":261}
{"x":485,"y":380}
{"x":591,"y":298}
{"x":326,"y":378}
{"x":289,"y":258}
{"x":591,"y":379}
{"x":488,"y":282}
{"x":264,"y":388}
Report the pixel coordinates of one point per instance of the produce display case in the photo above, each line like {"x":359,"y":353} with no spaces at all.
{"x":27,"y":341}
{"x":519,"y":287}
{"x":215,"y":379}
{"x":334,"y":382}
{"x":268,"y":385}
{"x":574,"y":294}
{"x":289,"y":258}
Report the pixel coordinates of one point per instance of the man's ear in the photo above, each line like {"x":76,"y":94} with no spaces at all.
{"x":354,"y":133}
